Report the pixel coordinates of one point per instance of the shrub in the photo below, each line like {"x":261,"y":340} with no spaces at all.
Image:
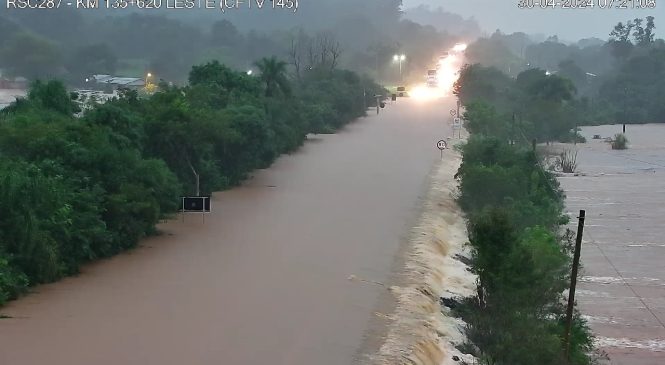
{"x":620,"y":142}
{"x":567,"y":161}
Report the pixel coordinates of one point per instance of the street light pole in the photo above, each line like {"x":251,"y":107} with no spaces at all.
{"x":400,"y":58}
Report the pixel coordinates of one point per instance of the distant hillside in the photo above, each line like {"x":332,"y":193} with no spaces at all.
{"x":443,"y":20}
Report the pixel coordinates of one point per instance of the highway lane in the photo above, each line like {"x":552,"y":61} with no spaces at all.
{"x":264,"y":280}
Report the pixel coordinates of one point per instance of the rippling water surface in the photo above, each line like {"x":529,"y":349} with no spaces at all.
{"x":622,"y":289}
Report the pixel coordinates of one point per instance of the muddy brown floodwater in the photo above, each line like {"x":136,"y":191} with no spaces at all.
{"x":622,"y":288}
{"x":265,"y":279}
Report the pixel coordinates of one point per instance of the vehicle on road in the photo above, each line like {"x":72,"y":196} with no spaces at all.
{"x":401,"y":91}
{"x":432,"y":78}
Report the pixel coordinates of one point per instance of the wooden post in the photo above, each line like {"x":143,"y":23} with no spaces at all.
{"x":533,"y":144}
{"x":573,"y":282}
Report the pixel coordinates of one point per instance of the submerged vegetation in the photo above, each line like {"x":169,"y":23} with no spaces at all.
{"x":74,"y":189}
{"x":567,"y":161}
{"x":620,"y":142}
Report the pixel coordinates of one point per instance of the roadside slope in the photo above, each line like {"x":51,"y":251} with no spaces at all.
{"x":421,"y":331}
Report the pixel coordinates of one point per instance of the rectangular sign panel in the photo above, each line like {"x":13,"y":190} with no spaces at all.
{"x":196,"y":204}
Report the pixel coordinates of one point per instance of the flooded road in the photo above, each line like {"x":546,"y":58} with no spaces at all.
{"x":265,"y":279}
{"x":622,"y":289}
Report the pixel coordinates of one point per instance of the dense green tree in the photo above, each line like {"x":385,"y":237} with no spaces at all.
{"x":273,"y":75}
{"x":515,"y":210}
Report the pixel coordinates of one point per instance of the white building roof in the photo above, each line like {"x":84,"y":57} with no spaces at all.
{"x":123,"y":81}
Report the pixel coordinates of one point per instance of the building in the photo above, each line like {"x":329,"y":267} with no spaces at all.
{"x":119,"y":82}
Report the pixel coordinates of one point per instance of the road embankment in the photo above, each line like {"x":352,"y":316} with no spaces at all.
{"x":422,"y":331}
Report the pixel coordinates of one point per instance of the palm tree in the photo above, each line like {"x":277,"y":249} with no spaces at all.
{"x":273,"y":74}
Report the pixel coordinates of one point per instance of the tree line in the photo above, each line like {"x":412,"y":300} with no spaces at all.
{"x":534,"y":105}
{"x":71,"y":46}
{"x":619,"y":80}
{"x":76,"y":189}
{"x":521,"y":252}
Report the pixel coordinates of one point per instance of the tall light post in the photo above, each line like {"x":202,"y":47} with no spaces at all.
{"x":148,"y":86}
{"x":399,"y":58}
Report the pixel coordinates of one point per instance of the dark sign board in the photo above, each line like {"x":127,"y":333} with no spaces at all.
{"x":196,"y":204}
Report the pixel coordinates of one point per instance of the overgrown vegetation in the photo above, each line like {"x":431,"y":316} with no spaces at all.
{"x":521,"y":257}
{"x":567,"y":161}
{"x":620,"y":142}
{"x":520,"y":251}
{"x":77,"y":189}
{"x":617,"y":81}
{"x":534,"y":105}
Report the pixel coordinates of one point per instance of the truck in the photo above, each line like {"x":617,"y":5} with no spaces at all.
{"x":432,"y":78}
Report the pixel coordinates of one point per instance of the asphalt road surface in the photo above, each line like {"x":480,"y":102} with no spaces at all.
{"x":265,"y":278}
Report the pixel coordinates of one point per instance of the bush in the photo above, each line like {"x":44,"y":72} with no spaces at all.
{"x":515,"y":211}
{"x":620,"y":142}
{"x":567,"y":161}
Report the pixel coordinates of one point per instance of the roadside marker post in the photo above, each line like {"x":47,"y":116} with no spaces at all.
{"x":441,"y":145}
{"x":457,"y":126}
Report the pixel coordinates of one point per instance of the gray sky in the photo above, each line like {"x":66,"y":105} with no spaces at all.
{"x":568,"y":24}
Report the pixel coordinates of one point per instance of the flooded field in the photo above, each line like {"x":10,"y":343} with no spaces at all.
{"x":7,"y":96}
{"x":622,"y":289}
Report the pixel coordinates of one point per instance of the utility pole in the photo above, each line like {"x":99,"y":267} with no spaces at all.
{"x":573,"y":281}
{"x":512,"y":133}
{"x":625,"y":108}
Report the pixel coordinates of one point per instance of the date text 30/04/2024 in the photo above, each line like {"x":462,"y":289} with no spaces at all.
{"x":587,"y":4}
{"x":222,"y":5}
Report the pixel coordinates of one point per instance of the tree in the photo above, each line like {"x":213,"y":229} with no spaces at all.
{"x":273,"y":75}
{"x":570,"y":70}
{"x":297,"y":49}
{"x":621,"y":32}
{"x":31,"y":56}
{"x":639,"y":33}
{"x":648,"y":36}
{"x":52,"y":95}
{"x":483,"y":119}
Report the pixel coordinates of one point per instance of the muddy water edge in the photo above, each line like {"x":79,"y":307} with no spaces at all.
{"x":410,"y":326}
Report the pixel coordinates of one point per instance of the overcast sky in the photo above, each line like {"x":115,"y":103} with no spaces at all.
{"x":568,"y":24}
